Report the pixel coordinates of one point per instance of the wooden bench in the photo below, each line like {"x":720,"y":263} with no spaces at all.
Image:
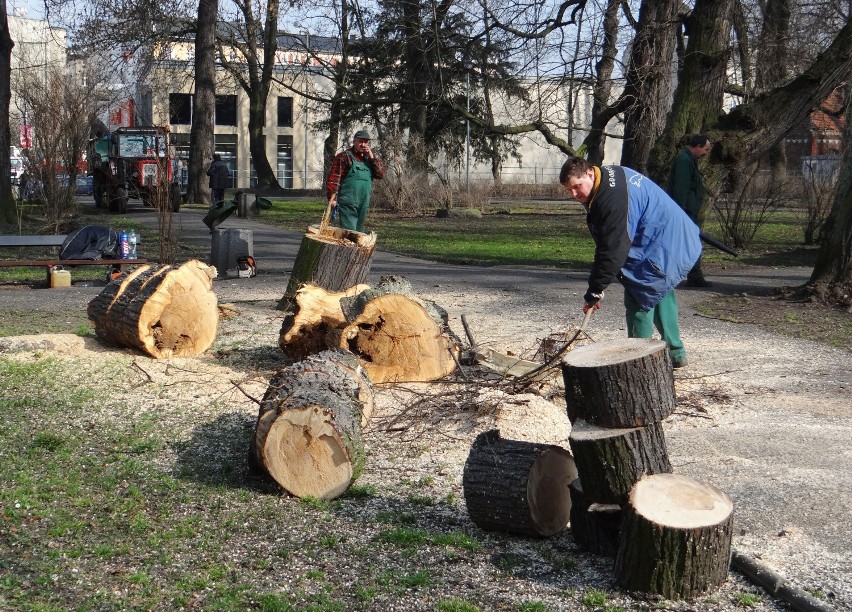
{"x":55,"y":240}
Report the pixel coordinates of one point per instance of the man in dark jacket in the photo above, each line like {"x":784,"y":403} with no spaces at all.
{"x":686,"y":187}
{"x":642,"y":238}
{"x":350,"y":181}
{"x":219,"y":175}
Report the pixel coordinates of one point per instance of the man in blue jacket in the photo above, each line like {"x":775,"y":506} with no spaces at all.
{"x":642,"y":238}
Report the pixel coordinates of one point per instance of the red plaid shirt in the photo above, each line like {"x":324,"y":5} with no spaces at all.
{"x":340,"y":168}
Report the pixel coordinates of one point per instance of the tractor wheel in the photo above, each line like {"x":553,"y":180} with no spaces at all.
{"x":118,"y":200}
{"x":99,"y":195}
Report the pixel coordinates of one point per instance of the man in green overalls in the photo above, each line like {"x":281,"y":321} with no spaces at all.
{"x":350,"y":180}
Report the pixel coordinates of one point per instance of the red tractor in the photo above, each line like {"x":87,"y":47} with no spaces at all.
{"x":132,"y":162}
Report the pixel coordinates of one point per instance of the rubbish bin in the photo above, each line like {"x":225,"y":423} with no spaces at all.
{"x":246,"y":205}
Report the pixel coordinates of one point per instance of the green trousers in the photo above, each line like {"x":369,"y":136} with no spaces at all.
{"x":663,"y":316}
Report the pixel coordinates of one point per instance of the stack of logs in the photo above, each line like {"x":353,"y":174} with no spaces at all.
{"x":308,"y":436}
{"x":670,"y":534}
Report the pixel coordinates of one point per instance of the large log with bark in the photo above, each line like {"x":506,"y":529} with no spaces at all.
{"x":308,"y":432}
{"x":164,"y":311}
{"x":334,"y":259}
{"x":610,"y":461}
{"x":395,"y":335}
{"x":316,"y":321}
{"x":518,"y":487}
{"x":675,"y":538}
{"x":619,"y":383}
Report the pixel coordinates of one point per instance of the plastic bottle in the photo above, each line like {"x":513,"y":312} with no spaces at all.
{"x":123,"y":245}
{"x":131,"y":240}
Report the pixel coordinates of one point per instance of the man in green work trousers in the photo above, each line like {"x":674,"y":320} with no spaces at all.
{"x":686,"y":187}
{"x":351,"y":179}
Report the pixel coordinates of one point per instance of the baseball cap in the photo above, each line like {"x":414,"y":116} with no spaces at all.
{"x":363,"y":134}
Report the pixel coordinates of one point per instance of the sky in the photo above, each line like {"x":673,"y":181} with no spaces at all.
{"x":34,"y":8}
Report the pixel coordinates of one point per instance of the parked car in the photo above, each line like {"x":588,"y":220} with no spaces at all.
{"x":85,"y":186}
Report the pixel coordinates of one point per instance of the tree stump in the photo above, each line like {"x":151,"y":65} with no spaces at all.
{"x":335,"y":259}
{"x":316,"y":321}
{"x":676,"y":537}
{"x":308,"y":433}
{"x":518,"y":487}
{"x":619,"y":383}
{"x":610,"y":461}
{"x":164,"y":311}
{"x":594,"y":527}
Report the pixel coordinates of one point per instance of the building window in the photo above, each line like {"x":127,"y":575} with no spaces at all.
{"x":226,"y":110}
{"x":180,"y":109}
{"x":285,"y":161}
{"x":285,"y":111}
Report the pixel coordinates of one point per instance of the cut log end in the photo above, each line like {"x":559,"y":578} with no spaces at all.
{"x":304,"y":450}
{"x":681,"y":502}
{"x":396,"y":340}
{"x":609,"y":353}
{"x":549,"y":501}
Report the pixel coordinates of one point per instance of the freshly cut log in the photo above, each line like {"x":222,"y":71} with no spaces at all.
{"x":335,"y":259}
{"x":396,"y":341}
{"x":308,"y":433}
{"x":164,"y":311}
{"x":316,"y":322}
{"x":518,"y":487}
{"x":610,"y":461}
{"x":619,"y":383}
{"x":594,"y":527}
{"x":676,"y":537}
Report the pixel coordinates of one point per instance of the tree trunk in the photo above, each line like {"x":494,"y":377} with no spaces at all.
{"x":676,"y":537}
{"x":7,"y":201}
{"x":698,"y":98}
{"x":164,"y":311}
{"x":308,"y":433}
{"x":834,"y":261}
{"x":335,"y":260}
{"x":595,"y":141}
{"x":201,"y":135}
{"x":518,"y":487}
{"x":610,"y":461}
{"x":619,"y":383}
{"x":594,"y":527}
{"x":649,"y":80}
{"x":316,"y":322}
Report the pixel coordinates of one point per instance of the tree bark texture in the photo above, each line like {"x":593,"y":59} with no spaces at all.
{"x":316,"y":322}
{"x":164,"y":311}
{"x":201,"y":140}
{"x":834,"y":261}
{"x":610,"y":461}
{"x":676,"y":537}
{"x":336,"y":259}
{"x":308,"y":433}
{"x":650,"y":77}
{"x":619,"y":383}
{"x":518,"y":487}
{"x":594,"y":527}
{"x":698,"y":97}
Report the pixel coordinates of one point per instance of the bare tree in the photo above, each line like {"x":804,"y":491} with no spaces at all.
{"x":7,"y":202}
{"x":201,"y":137}
{"x":833,"y":269}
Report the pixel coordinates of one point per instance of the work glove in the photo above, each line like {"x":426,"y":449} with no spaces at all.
{"x":334,"y":212}
{"x":593,"y":301}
